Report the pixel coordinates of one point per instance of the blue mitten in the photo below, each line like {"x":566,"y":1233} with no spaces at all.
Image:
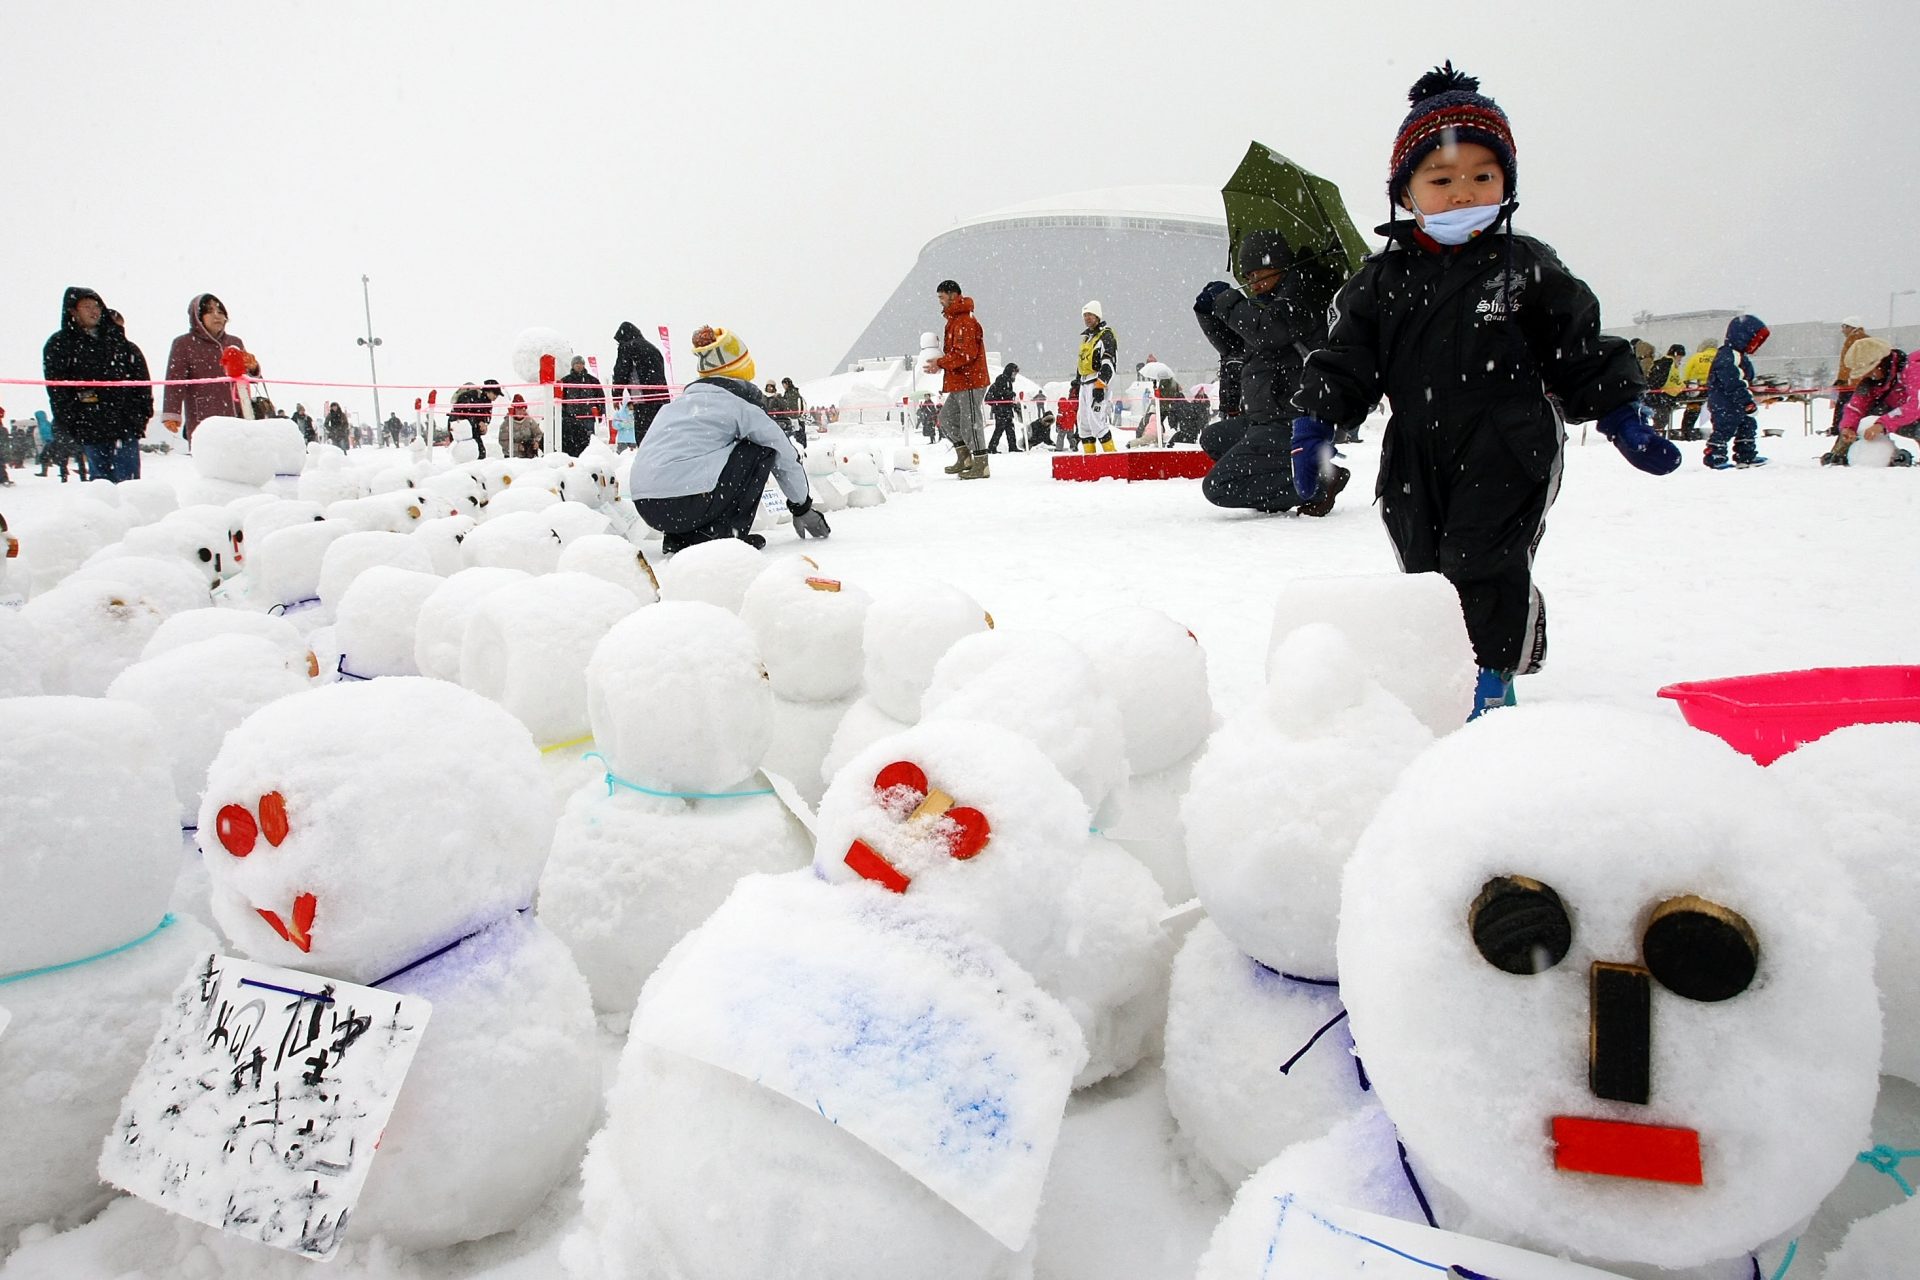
{"x":1204,"y":303}
{"x":1312,"y":445}
{"x":1637,"y":441}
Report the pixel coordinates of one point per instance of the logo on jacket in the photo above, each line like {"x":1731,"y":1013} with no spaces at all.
{"x":1503,"y":295}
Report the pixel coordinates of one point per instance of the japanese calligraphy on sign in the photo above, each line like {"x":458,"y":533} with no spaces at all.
{"x":262,"y":1100}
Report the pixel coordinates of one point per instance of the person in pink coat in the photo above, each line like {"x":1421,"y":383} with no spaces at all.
{"x":1888,"y":391}
{"x":196,"y":354}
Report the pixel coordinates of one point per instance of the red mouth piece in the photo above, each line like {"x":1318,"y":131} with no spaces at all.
{"x":1618,"y":1149}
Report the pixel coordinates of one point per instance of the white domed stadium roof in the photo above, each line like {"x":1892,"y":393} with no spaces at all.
{"x":1196,"y":204}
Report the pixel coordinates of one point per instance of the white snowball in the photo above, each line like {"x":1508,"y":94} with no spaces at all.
{"x":808,"y":625}
{"x":440,"y":629}
{"x":908,"y":631}
{"x":1617,"y":813}
{"x":375,"y":627}
{"x":521,"y":496}
{"x":207,"y":552}
{"x":285,"y":565}
{"x":248,"y":451}
{"x":146,"y":501}
{"x":530,"y":344}
{"x":351,"y":554}
{"x":518,"y":540}
{"x":54,"y":541}
{"x":1232,"y":1024}
{"x":678,"y":698}
{"x":571,"y":521}
{"x":443,"y":538}
{"x":1856,"y":783}
{"x":93,"y":630}
{"x":200,"y":691}
{"x":261,"y":522}
{"x":1042,"y":686}
{"x":169,"y":584}
{"x":22,"y":653}
{"x":717,"y":572}
{"x":609,"y":556}
{"x":630,"y":875}
{"x":203,"y":624}
{"x":1271,"y":815}
{"x":1074,"y":911}
{"x":1161,"y":689}
{"x":1407,"y":630}
{"x":1877,"y":452}
{"x":527,"y":646}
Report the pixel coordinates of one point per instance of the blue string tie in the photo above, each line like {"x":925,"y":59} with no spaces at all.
{"x":438,"y":952}
{"x":291,"y":605}
{"x":615,"y":781}
{"x":150,"y":935}
{"x":1359,"y":1068}
{"x":341,"y":667}
{"x":1887,"y":1160}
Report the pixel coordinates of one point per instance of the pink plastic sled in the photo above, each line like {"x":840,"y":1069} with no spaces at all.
{"x":1766,"y":716}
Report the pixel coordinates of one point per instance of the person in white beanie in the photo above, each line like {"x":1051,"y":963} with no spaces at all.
{"x":1092,"y":376}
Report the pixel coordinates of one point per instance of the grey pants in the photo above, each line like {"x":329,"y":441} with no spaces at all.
{"x":960,"y":419}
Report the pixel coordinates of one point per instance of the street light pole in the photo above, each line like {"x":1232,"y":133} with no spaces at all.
{"x":1898,"y":293}
{"x":370,"y":342}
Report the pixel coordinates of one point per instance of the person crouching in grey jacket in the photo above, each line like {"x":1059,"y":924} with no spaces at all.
{"x":704,"y":464}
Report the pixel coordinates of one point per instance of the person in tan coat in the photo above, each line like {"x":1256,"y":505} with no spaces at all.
{"x":1852,"y":329}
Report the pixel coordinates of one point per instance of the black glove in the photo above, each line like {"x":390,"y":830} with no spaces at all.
{"x":807,"y":522}
{"x":1204,"y":303}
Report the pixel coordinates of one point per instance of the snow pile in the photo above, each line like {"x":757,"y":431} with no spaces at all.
{"x":327,"y":855}
{"x":808,"y":625}
{"x":527,"y":644}
{"x":248,"y":451}
{"x":1010,"y":854}
{"x":1624,"y":819}
{"x":200,"y":691}
{"x":717,"y":573}
{"x":1856,"y":782}
{"x":821,"y":1083}
{"x":92,"y":851}
{"x":376,"y":626}
{"x":1406,"y":629}
{"x":680,"y":706}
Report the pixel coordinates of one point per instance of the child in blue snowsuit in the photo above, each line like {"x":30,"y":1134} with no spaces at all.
{"x":1466,"y":327}
{"x":1730,"y":396}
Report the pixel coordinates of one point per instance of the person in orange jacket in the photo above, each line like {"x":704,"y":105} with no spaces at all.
{"x":963,"y":362}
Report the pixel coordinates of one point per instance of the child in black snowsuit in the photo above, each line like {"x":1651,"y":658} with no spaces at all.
{"x":1467,"y":328}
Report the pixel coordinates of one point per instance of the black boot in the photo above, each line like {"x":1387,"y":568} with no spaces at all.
{"x":1330,"y":486}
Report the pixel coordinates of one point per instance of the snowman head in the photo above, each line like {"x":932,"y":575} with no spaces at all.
{"x":908,"y":631}
{"x":808,"y":624}
{"x":1616,"y":996}
{"x":966,"y":816}
{"x":354,"y":828}
{"x":678,"y":698}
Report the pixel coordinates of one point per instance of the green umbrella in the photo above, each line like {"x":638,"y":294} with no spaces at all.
{"x":1269,"y":192}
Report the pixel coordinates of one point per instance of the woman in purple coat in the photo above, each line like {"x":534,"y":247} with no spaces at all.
{"x":196,"y":354}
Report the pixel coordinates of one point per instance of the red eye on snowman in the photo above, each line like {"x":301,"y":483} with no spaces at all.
{"x":239,"y":831}
{"x":905,"y":792}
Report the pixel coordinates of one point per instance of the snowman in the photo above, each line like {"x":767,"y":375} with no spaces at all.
{"x":821,"y":1082}
{"x":328,"y":855}
{"x":655,"y":839}
{"x":1257,"y":1053}
{"x":717,"y":573}
{"x":807,"y":624}
{"x":88,"y":953}
{"x":974,"y":820}
{"x":93,"y":629}
{"x":1613,"y":993}
{"x":376,"y":628}
{"x":907,"y":632}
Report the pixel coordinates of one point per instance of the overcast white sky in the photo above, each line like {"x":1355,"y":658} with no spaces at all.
{"x":777,"y":166}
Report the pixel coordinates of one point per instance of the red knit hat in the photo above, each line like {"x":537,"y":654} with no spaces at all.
{"x":1447,"y":106}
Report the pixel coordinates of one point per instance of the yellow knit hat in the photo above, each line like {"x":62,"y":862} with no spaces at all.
{"x":721,"y":354}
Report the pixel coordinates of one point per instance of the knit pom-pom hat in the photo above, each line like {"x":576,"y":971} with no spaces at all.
{"x":1448,"y":106}
{"x":721,"y":354}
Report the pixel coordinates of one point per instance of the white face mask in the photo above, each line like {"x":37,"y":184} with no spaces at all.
{"x":1457,"y":226}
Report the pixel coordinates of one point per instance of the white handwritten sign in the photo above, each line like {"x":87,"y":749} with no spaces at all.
{"x":262,"y":1100}
{"x":920,"y":1039}
{"x":1309,"y":1239}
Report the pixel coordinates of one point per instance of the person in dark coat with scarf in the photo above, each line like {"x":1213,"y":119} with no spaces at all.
{"x":581,"y":401}
{"x":640,"y":372}
{"x":196,"y":355}
{"x":1005,"y":410}
{"x":101,"y":421}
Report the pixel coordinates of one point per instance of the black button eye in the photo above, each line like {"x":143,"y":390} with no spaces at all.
{"x":1520,"y":925}
{"x":206,"y":556}
{"x":1700,"y":950}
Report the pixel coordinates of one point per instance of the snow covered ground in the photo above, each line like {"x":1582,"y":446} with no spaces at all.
{"x":1647,"y":581}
